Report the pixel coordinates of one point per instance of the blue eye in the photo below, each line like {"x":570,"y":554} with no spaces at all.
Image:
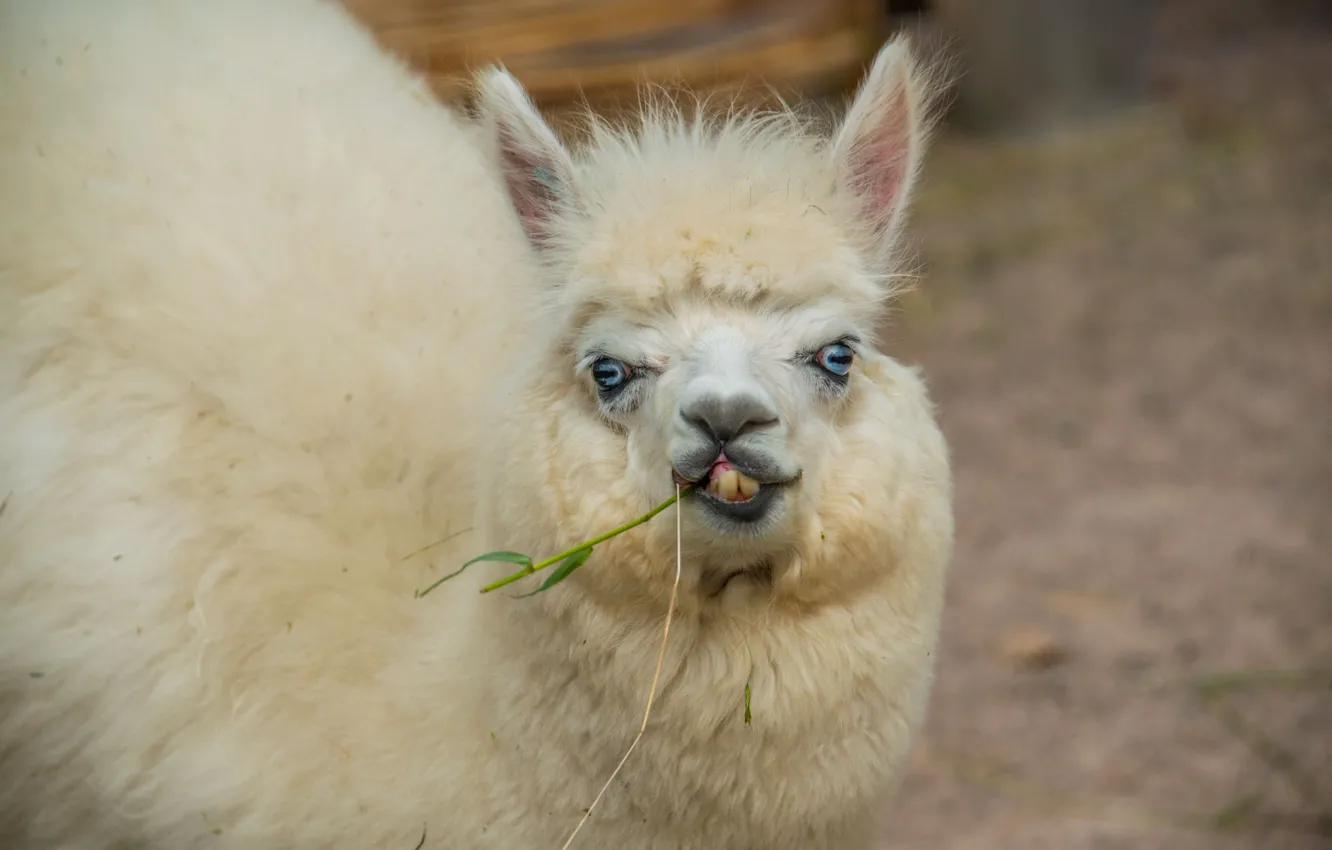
{"x":836,"y":359}
{"x":610,"y":374}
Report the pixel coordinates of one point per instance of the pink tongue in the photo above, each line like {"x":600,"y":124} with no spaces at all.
{"x":718,"y":468}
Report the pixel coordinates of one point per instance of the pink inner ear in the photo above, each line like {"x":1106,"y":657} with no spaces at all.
{"x":880,"y":156}
{"x":532,"y":198}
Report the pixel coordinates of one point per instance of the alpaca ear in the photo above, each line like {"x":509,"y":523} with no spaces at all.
{"x":877,"y":148}
{"x":536,"y":168}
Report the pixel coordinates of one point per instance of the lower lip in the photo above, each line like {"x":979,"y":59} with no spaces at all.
{"x":748,"y":511}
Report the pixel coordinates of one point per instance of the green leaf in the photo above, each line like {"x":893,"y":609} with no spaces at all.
{"x":503,"y":557}
{"x":748,"y":716}
{"x":572,"y":562}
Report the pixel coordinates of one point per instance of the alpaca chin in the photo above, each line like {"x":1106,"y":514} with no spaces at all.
{"x":758,"y":575}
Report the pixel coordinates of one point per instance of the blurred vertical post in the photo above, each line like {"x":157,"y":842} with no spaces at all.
{"x":1029,"y":66}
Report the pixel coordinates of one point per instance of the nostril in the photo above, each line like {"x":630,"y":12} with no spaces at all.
{"x":724,"y":420}
{"x":703,"y":425}
{"x":746,"y":427}
{"x":698,"y":423}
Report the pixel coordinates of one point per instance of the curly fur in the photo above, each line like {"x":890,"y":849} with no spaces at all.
{"x":269,"y":325}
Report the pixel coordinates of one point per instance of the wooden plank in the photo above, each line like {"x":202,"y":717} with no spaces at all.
{"x":568,"y":49}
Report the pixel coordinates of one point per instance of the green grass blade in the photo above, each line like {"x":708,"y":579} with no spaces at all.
{"x":502,"y":557}
{"x":563,"y":571}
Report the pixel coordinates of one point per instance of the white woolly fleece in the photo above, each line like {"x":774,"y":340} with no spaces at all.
{"x":264,"y":334}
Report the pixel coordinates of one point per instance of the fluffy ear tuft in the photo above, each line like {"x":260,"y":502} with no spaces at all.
{"x":878,"y":147}
{"x":537,"y":170}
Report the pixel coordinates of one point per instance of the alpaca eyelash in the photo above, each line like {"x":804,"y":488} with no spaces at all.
{"x":590,"y":357}
{"x":807,"y":355}
{"x":826,"y":383}
{"x":829,"y":385}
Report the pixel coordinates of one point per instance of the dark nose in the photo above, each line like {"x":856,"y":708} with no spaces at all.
{"x":725,"y":417}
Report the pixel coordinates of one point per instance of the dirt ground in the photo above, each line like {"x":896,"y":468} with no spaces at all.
{"x":1128,"y":331}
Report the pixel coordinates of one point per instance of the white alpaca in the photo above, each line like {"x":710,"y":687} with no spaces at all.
{"x":269,"y":324}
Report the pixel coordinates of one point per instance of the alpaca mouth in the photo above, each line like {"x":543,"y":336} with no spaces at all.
{"x":728,"y":491}
{"x":727,"y":483}
{"x":723,"y":482}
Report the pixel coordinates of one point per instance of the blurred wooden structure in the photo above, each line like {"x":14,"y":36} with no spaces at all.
{"x":568,"y":50}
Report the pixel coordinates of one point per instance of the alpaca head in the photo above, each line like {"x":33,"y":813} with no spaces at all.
{"x":706,"y":316}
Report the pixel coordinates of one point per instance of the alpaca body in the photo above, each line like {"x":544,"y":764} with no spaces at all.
{"x":262,"y":338}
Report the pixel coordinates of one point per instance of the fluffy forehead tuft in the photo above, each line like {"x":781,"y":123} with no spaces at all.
{"x":742,"y":207}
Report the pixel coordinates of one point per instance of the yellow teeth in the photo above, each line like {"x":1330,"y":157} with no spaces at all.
{"x":748,"y":486}
{"x":728,"y":484}
{"x":733,"y":486}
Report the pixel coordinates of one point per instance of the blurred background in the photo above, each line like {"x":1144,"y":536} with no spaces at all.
{"x":1125,"y":312}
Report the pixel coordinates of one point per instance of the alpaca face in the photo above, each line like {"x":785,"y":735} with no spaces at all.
{"x":735,"y":401}
{"x":715,"y":290}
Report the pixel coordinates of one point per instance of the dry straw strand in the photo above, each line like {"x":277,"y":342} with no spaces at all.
{"x":652,"y":692}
